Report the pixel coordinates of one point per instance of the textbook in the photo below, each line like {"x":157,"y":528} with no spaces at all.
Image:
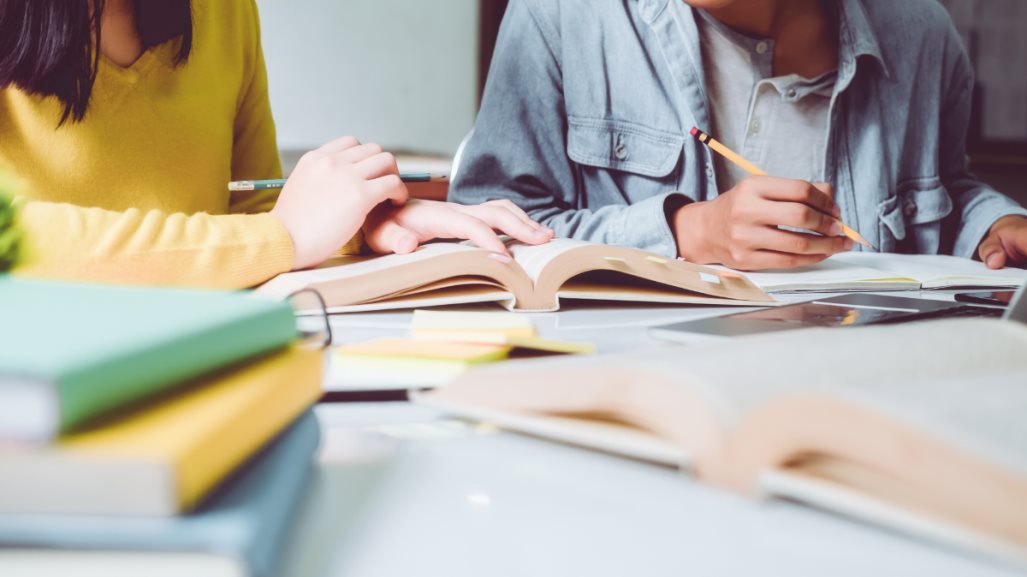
{"x":917,"y":427}
{"x":446,"y":273}
{"x":72,"y":352}
{"x":162,"y":458}
{"x":239,"y":532}
{"x":864,"y":271}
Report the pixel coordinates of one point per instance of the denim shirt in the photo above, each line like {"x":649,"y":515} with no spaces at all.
{"x":586,"y":117}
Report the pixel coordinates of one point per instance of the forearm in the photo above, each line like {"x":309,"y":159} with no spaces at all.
{"x":64,"y":241}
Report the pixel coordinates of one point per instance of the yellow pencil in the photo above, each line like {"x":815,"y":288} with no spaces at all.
{"x":752,"y":169}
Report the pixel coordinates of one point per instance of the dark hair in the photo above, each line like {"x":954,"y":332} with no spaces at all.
{"x":50,"y":47}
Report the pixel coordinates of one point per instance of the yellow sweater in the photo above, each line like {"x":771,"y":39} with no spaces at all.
{"x":136,"y":192}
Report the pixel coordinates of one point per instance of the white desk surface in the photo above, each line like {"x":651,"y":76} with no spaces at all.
{"x":403,"y":490}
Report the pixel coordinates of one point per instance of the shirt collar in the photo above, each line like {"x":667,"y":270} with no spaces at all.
{"x":857,"y":38}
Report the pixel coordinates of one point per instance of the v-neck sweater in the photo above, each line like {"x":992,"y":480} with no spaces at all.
{"x":136,"y":192}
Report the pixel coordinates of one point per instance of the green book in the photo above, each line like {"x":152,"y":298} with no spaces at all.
{"x":72,"y":352}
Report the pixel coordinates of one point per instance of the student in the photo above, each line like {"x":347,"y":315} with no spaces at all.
{"x":124,"y":120}
{"x":586,"y":118}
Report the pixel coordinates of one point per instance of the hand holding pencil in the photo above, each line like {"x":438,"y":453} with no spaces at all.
{"x":741,"y":228}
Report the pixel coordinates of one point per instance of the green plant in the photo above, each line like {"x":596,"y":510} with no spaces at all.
{"x":10,"y":236}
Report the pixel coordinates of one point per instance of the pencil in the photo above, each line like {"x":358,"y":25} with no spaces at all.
{"x":752,"y":169}
{"x":246,"y":185}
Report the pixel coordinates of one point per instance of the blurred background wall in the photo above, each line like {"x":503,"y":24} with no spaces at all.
{"x":403,"y":73}
{"x":408,"y":74}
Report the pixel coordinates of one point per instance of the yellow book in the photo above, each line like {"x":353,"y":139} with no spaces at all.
{"x":164,"y":457}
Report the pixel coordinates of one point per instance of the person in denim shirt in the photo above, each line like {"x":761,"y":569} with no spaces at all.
{"x":586,"y":117}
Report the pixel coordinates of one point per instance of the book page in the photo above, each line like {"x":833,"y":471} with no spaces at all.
{"x":938,"y":271}
{"x":885,"y":271}
{"x":533,"y":259}
{"x":838,"y":273}
{"x":347,"y":267}
{"x":964,"y":380}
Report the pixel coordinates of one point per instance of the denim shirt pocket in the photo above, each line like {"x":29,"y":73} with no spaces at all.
{"x":913,"y":215}
{"x":623,"y":146}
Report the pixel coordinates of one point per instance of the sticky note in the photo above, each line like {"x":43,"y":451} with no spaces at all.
{"x":430,"y":324}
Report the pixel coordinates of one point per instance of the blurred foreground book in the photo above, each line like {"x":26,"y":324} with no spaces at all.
{"x":919,"y":427}
{"x":238,"y":531}
{"x":69,"y":353}
{"x":163,"y":457}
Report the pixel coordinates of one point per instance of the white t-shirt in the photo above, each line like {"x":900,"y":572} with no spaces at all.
{"x":780,"y":124}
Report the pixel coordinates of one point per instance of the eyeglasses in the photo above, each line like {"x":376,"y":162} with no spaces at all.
{"x":312,"y":325}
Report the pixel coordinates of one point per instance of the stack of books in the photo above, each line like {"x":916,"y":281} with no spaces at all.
{"x":150,"y":431}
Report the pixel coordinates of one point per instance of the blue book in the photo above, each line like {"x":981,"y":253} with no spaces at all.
{"x":239,"y":531}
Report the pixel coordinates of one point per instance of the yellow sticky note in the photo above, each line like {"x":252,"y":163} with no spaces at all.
{"x":446,"y":324}
{"x":426,"y":349}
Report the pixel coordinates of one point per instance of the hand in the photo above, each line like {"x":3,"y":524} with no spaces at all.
{"x":330,"y":194}
{"x":1006,"y":243}
{"x":401,"y":230}
{"x":739,"y":228}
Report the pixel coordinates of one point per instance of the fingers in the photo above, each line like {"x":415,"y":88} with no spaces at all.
{"x":797,"y":191}
{"x":357,"y":153}
{"x":337,"y":145}
{"x":795,"y":243}
{"x":387,"y":236}
{"x":992,"y":252}
{"x":797,"y":215}
{"x":388,"y":187}
{"x":499,"y":217}
{"x":377,"y":165}
{"x":465,"y":226}
{"x":517,"y":211}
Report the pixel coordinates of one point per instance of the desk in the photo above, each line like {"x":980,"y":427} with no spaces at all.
{"x":460,"y":500}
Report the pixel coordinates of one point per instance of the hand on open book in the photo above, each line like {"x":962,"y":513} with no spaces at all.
{"x":1006,"y":243}
{"x":400,"y":230}
{"x":739,"y":228}
{"x":330,"y":194}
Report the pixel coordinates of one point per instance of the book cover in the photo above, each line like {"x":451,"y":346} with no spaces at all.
{"x":71,"y":352}
{"x":164,"y":457}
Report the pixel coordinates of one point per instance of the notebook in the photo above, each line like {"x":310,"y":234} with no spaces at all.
{"x":238,"y":532}
{"x":916,"y":427}
{"x":864,"y":271}
{"x":164,"y":457}
{"x":541,"y":276}
{"x":72,"y":352}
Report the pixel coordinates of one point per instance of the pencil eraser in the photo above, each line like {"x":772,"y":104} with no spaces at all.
{"x":694,"y":131}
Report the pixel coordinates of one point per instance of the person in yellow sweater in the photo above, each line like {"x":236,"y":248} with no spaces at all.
{"x":124,"y":120}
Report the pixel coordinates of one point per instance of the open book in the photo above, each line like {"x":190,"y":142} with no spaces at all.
{"x":917,"y":427}
{"x":452,"y":273}
{"x":865,"y":271}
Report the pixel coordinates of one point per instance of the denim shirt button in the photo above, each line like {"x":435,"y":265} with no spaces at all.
{"x":621,"y":151}
{"x":909,"y":208}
